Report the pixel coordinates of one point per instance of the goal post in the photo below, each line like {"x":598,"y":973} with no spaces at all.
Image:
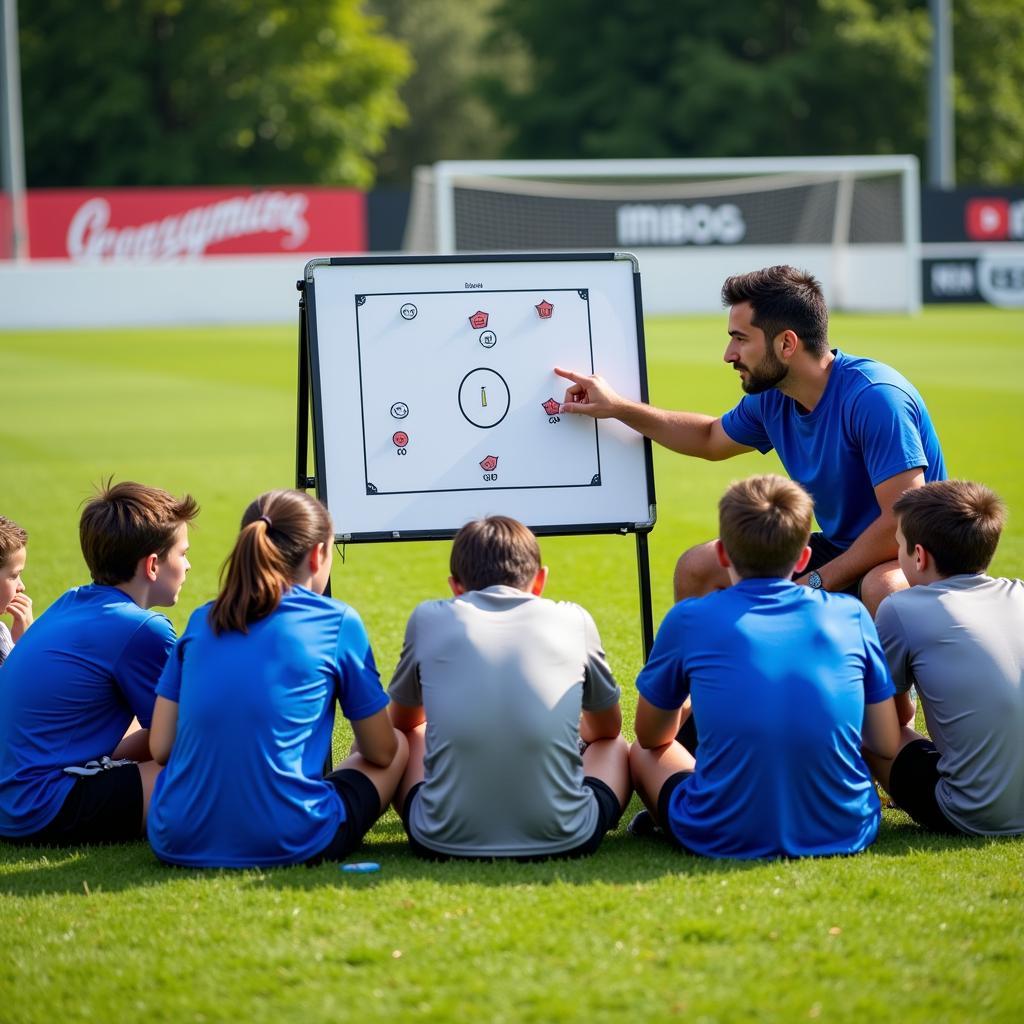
{"x":852,"y":221}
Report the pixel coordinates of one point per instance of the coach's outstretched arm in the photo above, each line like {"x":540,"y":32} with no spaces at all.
{"x":690,"y":433}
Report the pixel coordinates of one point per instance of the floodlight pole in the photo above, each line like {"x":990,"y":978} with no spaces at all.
{"x":941,"y":137}
{"x":12,"y":142}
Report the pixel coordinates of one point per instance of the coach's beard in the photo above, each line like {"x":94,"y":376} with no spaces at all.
{"x":768,"y":373}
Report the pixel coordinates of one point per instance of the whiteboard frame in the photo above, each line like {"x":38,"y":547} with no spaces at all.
{"x":311,"y":359}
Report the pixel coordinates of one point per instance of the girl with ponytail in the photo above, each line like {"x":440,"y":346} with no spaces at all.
{"x":245,"y":708}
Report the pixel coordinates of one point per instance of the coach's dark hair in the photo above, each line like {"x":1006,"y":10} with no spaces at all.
{"x":12,"y":538}
{"x":126,"y":522}
{"x":764,"y":523}
{"x":278,"y":530}
{"x":492,"y":551}
{"x":782,"y":298}
{"x":957,"y":522}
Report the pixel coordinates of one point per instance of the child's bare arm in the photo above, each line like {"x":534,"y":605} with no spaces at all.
{"x":906,"y":710}
{"x":881,"y":732}
{"x":375,"y":738}
{"x":163,"y":729}
{"x":134,"y":746}
{"x":655,"y":726}
{"x":601,"y":725}
{"x":404,"y":718}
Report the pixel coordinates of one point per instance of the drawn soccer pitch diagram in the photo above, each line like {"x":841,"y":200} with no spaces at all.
{"x":434,"y":397}
{"x":458,"y":393}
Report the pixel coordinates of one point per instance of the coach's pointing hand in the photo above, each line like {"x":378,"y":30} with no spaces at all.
{"x":590,"y":395}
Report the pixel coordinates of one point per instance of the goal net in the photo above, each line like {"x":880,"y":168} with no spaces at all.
{"x":852,"y":221}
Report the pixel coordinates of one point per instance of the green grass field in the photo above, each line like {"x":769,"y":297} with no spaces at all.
{"x":918,"y":928}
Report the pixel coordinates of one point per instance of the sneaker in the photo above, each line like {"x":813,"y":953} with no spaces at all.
{"x":644,"y":825}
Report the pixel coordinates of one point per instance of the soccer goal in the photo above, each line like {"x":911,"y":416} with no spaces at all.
{"x":852,"y":221}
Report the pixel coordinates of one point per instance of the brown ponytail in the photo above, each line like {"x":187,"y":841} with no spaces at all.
{"x":278,"y":529}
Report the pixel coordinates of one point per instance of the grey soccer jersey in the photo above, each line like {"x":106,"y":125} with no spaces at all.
{"x":961,"y":643}
{"x":503,"y":676}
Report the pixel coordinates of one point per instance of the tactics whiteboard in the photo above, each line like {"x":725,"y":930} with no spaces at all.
{"x":435,"y":399}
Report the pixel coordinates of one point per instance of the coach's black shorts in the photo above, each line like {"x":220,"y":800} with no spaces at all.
{"x":822,"y":552}
{"x":102,"y":808}
{"x":362,"y":809}
{"x":912,"y":780}
{"x":608,"y":813}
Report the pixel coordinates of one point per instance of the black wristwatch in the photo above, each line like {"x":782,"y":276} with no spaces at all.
{"x":814,"y":580}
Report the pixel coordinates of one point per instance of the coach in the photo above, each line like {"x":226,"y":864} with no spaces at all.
{"x":854,"y":432}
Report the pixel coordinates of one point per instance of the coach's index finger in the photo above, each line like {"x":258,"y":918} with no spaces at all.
{"x":589,"y":394}
{"x":576,"y":378}
{"x":576,"y":395}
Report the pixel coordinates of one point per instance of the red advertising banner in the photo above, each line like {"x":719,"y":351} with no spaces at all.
{"x":6,"y":227}
{"x":152,"y":224}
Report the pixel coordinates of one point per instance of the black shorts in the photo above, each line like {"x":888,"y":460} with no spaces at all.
{"x":608,"y":813}
{"x":669,"y":786}
{"x":102,"y":808}
{"x":912,"y":780}
{"x":823,"y":551}
{"x":362,"y":809}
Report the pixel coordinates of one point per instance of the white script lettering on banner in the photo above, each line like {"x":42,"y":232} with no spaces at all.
{"x":189,"y":233}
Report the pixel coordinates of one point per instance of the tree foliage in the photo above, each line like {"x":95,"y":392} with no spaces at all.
{"x":146,"y":92}
{"x":449,"y":116}
{"x":988,"y":56}
{"x":643,"y":78}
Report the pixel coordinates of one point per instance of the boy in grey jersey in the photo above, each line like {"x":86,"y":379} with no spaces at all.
{"x":494,"y":689}
{"x":958,"y":636}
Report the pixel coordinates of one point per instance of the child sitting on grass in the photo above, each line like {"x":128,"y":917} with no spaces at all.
{"x":71,"y":771}
{"x":494,"y":689}
{"x":957,"y":635}
{"x":787,"y":683}
{"x":245,"y":708}
{"x":13,"y":599}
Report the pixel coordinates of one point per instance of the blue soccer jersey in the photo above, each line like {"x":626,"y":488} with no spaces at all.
{"x":244,"y":784}
{"x":779,"y":676}
{"x":870,"y":424}
{"x":68,"y":692}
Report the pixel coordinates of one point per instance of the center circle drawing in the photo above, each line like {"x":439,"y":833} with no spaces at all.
{"x":484,"y":397}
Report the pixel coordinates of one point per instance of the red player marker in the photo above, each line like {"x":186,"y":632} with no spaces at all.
{"x":478,"y":320}
{"x":544,"y":309}
{"x":551,"y":407}
{"x":490,"y":463}
{"x":401,"y":438}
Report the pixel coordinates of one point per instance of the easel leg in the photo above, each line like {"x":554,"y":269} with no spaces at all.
{"x":643,"y":564}
{"x":302,"y":479}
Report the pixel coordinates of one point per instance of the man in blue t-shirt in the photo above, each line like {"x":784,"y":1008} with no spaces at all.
{"x":72,"y":767}
{"x":853,"y":432}
{"x":787,"y":684}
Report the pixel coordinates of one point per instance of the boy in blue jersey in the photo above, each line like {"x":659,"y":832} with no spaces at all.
{"x":854,"y":433}
{"x":71,"y":769}
{"x":787,"y":684}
